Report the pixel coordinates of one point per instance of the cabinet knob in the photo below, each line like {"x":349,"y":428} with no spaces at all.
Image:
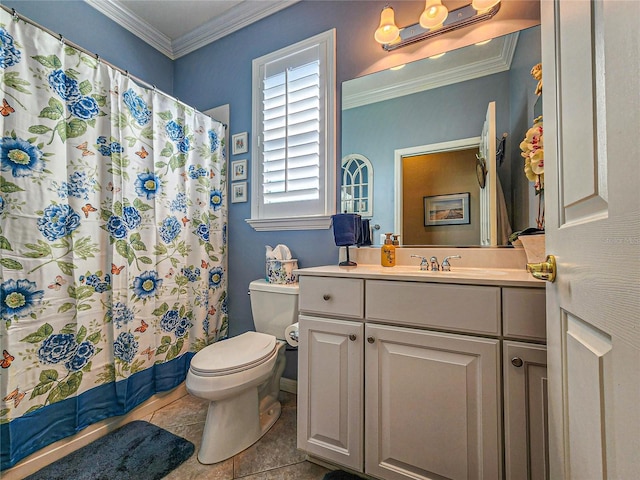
{"x":326,"y":297}
{"x":517,"y":362}
{"x":371,"y":339}
{"x":352,"y":337}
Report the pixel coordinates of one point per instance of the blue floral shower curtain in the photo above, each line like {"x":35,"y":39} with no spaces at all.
{"x":112,"y":240}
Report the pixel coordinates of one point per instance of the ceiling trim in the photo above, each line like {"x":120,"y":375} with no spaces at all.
{"x":134,"y":24}
{"x":489,"y":66}
{"x":230,"y":21}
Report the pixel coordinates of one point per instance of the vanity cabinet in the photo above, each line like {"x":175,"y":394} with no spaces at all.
{"x":431,"y":405}
{"x":330,"y":390}
{"x":524,"y":363}
{"x":404,"y":380}
{"x":525,"y":411}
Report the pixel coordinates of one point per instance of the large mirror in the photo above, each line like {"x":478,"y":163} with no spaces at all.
{"x":421,"y":128}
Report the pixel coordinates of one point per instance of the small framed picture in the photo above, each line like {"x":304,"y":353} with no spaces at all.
{"x":446,"y":209}
{"x":239,"y":170}
{"x":240,"y":143}
{"x":239,"y":192}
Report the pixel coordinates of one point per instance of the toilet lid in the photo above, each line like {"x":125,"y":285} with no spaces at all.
{"x":234,"y":354}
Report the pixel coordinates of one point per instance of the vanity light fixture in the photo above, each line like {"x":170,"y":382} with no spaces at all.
{"x":435,"y":20}
{"x":387,"y":31}
{"x":434,"y":14}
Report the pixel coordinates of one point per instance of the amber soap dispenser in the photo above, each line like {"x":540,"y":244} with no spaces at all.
{"x":388,"y":252}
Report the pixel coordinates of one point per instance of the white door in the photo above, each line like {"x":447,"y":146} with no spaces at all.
{"x":591,"y":93}
{"x":488,"y":194}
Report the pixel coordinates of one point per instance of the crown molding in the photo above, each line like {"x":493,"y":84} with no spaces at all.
{"x":136,"y":25}
{"x":232,"y":20}
{"x":470,"y":71}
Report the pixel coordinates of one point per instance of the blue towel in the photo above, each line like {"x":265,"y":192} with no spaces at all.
{"x":365,"y":237}
{"x":347,"y":229}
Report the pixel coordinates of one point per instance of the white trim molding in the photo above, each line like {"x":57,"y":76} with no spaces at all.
{"x":240,"y":16}
{"x":320,"y":222}
{"x":501,"y":62}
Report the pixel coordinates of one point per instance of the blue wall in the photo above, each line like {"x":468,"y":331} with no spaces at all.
{"x":220,"y":73}
{"x":523,"y":97}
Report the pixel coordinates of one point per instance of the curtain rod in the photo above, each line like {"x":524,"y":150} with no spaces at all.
{"x":17,"y":16}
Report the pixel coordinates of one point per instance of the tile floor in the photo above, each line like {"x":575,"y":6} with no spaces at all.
{"x":273,"y":457}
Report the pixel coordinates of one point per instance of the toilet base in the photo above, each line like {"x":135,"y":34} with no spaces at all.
{"x":235,"y":424}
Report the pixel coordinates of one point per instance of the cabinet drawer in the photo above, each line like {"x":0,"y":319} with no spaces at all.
{"x":332,"y":296}
{"x":523,"y":310}
{"x":466,"y":308}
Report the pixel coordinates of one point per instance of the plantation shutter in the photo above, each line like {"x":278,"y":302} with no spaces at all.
{"x":292,"y":176}
{"x":291,"y":122}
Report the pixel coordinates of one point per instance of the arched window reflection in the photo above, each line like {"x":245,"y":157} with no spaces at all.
{"x":357,"y":185}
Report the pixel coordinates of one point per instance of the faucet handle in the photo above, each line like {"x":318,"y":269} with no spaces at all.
{"x":424,"y":263}
{"x":446,"y":266}
{"x":435,"y":266}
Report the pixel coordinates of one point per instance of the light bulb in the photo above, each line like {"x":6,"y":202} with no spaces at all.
{"x":483,"y":5}
{"x":434,"y":14}
{"x":388,"y":31}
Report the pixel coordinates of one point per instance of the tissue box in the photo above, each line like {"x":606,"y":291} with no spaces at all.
{"x":281,"y":271}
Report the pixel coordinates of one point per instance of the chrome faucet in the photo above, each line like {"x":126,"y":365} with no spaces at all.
{"x":446,"y":266}
{"x":424,"y":263}
{"x":435,"y":266}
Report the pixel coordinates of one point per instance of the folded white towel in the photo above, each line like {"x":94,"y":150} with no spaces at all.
{"x":279,"y":252}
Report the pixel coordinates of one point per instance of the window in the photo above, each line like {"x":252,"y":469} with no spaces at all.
{"x":293,"y":164}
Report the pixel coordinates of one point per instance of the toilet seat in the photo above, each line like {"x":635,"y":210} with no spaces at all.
{"x":234,"y":355}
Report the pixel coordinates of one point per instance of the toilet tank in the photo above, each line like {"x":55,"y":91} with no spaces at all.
{"x":274,"y":306}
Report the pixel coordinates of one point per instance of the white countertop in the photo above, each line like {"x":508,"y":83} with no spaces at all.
{"x":502,"y":277}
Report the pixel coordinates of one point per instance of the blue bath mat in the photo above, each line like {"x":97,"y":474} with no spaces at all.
{"x":138,"y":450}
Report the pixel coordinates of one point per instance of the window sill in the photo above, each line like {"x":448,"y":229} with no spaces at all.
{"x":320,"y":222}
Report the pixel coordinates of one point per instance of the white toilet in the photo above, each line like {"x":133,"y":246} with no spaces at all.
{"x":241,"y":376}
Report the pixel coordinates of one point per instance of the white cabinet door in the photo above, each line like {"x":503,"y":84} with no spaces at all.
{"x":432,"y":405}
{"x":330,"y":387}
{"x":525,"y":411}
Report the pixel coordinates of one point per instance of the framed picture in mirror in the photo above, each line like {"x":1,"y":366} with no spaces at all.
{"x":452,"y":209}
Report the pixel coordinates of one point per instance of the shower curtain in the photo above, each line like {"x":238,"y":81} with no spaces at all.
{"x":112,"y":240}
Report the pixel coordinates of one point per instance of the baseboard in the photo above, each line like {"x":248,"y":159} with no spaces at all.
{"x":65,"y":446}
{"x":289,"y":385}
